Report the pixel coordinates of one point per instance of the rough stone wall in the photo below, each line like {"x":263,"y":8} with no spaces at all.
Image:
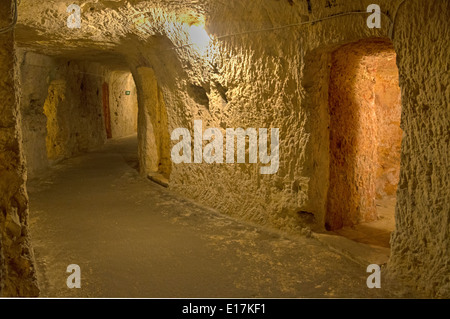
{"x":280,"y":79}
{"x":258,"y":80}
{"x":124,"y":108}
{"x":153,"y":134}
{"x":74,"y":110}
{"x":17,"y":272}
{"x":353,"y":136}
{"x":60,"y":106}
{"x":34,"y":70}
{"x":365,"y":134}
{"x":389,"y":134}
{"x":420,"y":245}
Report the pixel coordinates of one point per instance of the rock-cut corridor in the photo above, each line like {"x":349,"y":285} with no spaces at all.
{"x":134,"y":238}
{"x":212,"y":148}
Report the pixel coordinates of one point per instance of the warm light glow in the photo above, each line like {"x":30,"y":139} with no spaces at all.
{"x":199,"y":38}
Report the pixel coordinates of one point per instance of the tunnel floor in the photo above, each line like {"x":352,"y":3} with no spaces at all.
{"x":378,"y":232}
{"x":134,"y":238}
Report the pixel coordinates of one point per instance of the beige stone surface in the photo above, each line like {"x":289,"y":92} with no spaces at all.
{"x":136,"y":239}
{"x":17,"y":271}
{"x":277,"y":78}
{"x":60,"y":106}
{"x":365,"y":133}
{"x":73,"y":108}
{"x":123,"y":107}
{"x":420,"y":244}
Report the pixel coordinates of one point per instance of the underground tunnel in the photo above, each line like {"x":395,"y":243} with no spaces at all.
{"x":355,"y":112}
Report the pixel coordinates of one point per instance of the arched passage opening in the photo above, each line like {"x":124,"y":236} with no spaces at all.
{"x":83,"y":108}
{"x":72,"y":106}
{"x":365,"y":138}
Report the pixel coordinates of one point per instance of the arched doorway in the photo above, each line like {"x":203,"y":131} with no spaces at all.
{"x":365,"y":139}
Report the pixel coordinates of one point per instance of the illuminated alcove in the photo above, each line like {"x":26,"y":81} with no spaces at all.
{"x":365,"y":140}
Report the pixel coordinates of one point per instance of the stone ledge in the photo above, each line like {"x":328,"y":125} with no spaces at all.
{"x":158,"y":179}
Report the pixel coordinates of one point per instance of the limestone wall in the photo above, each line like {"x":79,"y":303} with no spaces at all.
{"x":353,"y":135}
{"x":35,"y":71}
{"x":365,"y":134}
{"x":61,"y":108}
{"x":153,"y":132}
{"x":278,"y":79}
{"x":17,"y":272}
{"x":420,"y":244}
{"x":123,"y":107}
{"x":389,"y":134}
{"x":75,"y":121}
{"x":275,"y":79}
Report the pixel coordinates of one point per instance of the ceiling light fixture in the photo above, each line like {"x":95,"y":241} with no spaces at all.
{"x":199,"y":38}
